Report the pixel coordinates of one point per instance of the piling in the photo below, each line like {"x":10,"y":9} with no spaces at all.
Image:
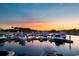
{"x":70,"y":37}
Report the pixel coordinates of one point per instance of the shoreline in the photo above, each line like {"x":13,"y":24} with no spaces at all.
{"x":74,"y":34}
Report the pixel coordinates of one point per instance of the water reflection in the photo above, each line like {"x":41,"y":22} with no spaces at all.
{"x":38,"y":47}
{"x":59,"y":43}
{"x":22,"y":43}
{"x":1,"y":44}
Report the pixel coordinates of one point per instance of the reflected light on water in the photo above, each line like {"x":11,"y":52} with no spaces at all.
{"x":36,"y":48}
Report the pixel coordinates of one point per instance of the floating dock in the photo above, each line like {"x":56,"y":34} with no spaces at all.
{"x":57,"y":40}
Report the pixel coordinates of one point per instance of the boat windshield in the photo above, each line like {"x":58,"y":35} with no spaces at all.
{"x":57,"y":35}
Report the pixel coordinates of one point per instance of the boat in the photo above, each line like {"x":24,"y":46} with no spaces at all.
{"x":63,"y":34}
{"x":30,"y":37}
{"x":50,"y":36}
{"x":7,"y":53}
{"x":12,"y":36}
{"x":22,"y":37}
{"x":2,"y":37}
{"x":59,"y":36}
{"x":37,"y":37}
{"x":44,"y":37}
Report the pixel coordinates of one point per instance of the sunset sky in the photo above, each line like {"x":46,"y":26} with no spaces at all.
{"x":40,"y":16}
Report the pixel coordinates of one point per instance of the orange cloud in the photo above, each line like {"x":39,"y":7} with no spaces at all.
{"x":44,"y":25}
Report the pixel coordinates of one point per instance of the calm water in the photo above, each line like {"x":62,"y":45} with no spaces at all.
{"x":37,"y":48}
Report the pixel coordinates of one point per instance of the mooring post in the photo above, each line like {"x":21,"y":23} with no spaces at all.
{"x":69,"y":37}
{"x":70,"y":43}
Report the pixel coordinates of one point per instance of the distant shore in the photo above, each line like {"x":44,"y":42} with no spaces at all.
{"x":28,"y":30}
{"x":76,"y":34}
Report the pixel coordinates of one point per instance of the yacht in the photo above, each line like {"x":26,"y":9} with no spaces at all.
{"x":50,"y":36}
{"x":22,"y":37}
{"x":10,"y":36}
{"x":3,"y":37}
{"x":44,"y":37}
{"x":59,"y":36}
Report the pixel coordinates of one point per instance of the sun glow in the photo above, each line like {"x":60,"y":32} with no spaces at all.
{"x":44,"y":25}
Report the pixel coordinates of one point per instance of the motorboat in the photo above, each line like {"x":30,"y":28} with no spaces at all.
{"x":38,"y":37}
{"x":3,"y":37}
{"x":22,"y":37}
{"x":30,"y":37}
{"x":44,"y":37}
{"x":59,"y":36}
{"x":63,"y":34}
{"x":50,"y":36}
{"x":41,"y":37}
{"x":11,"y":36}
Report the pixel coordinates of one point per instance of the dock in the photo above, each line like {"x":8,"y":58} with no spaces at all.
{"x":66,"y":40}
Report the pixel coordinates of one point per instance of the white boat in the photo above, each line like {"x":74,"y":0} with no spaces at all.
{"x":30,"y":36}
{"x":22,"y":37}
{"x":44,"y":37}
{"x":41,"y":37}
{"x":10,"y":36}
{"x":63,"y":34}
{"x":59,"y":36}
{"x":3,"y":38}
{"x":50,"y":36}
{"x":38,"y":37}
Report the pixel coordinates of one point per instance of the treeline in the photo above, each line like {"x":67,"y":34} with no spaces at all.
{"x":69,"y":32}
{"x":15,"y":29}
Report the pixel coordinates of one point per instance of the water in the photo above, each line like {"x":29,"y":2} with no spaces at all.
{"x":37,"y":48}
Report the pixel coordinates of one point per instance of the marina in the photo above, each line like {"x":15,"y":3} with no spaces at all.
{"x":30,"y":45}
{"x":35,"y":29}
